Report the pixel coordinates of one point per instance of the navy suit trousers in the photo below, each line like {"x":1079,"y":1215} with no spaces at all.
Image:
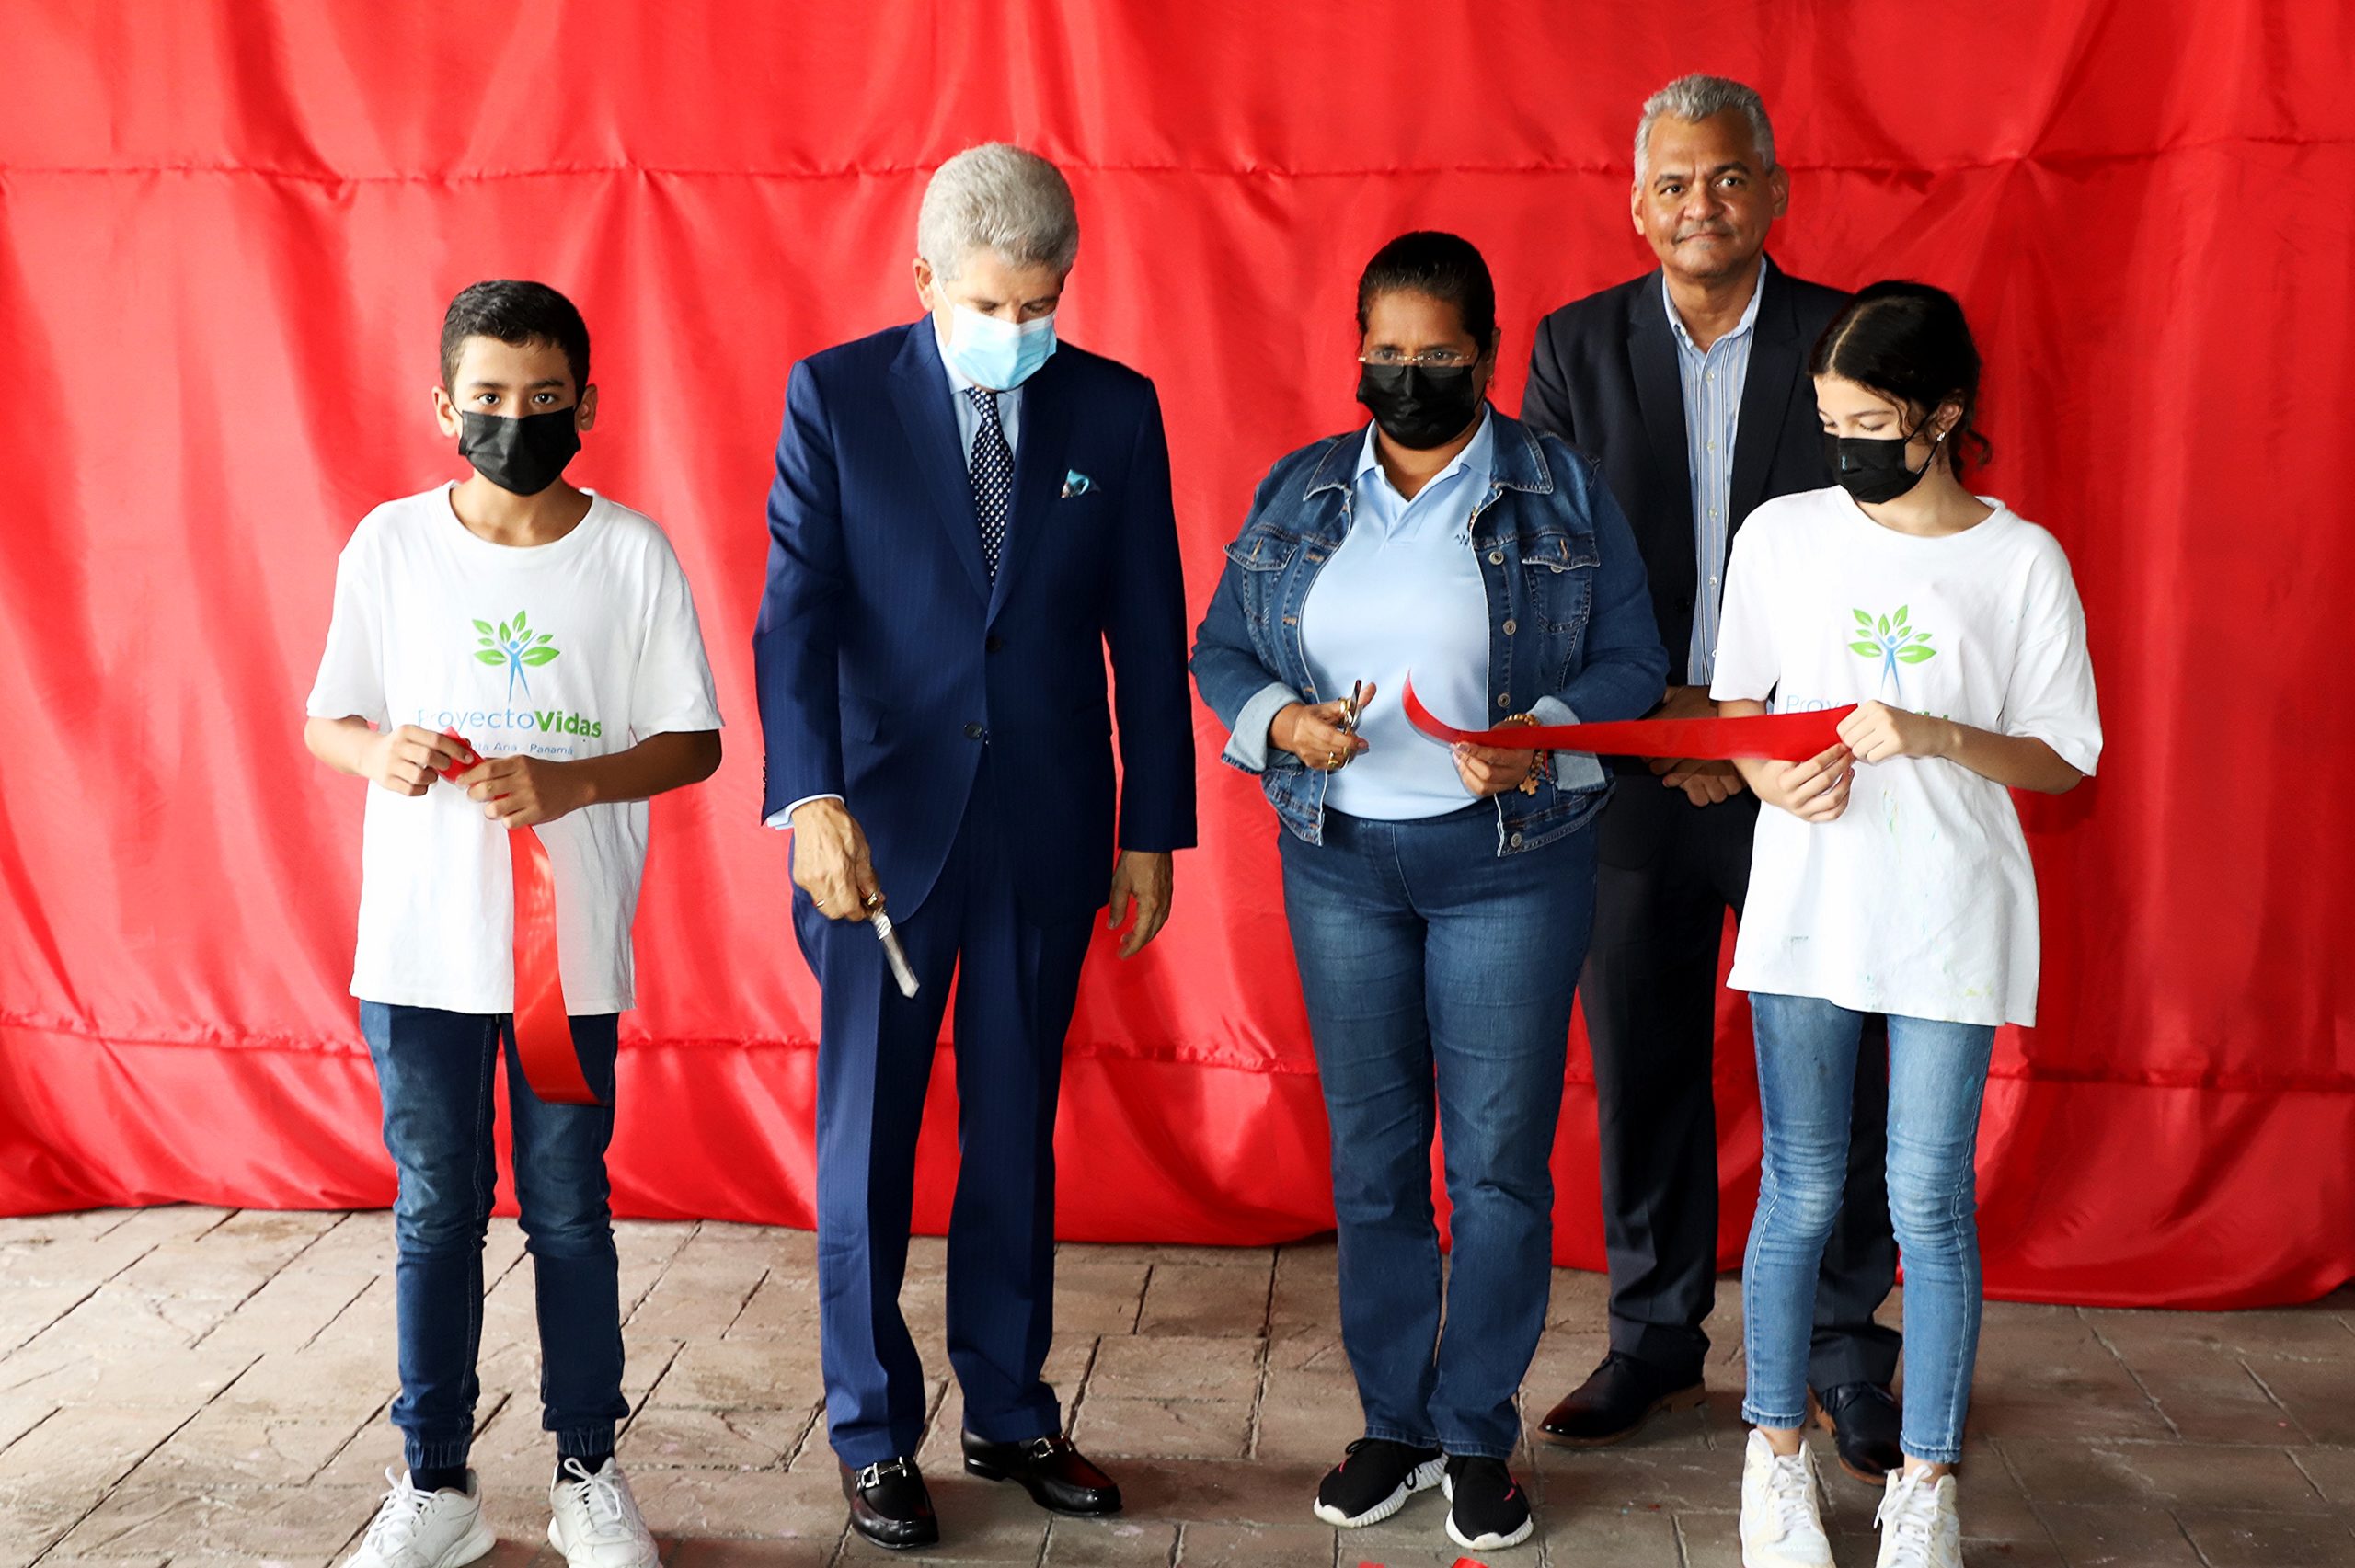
{"x":1017,"y":982}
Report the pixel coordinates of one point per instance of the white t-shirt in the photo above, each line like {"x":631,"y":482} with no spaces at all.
{"x":575,"y":648}
{"x":1919,"y":901}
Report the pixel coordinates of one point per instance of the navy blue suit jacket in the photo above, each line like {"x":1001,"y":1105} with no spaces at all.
{"x":889,"y":663}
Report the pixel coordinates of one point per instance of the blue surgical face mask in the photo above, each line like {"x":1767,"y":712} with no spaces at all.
{"x":997,"y":354}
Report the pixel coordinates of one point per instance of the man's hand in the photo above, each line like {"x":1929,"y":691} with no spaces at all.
{"x":1812,"y":791}
{"x":830,"y":862}
{"x":1491,"y":770}
{"x":1877,"y":732}
{"x":517,"y":792}
{"x":1315,"y":734}
{"x":1142,"y":879}
{"x":407,"y":761}
{"x":1704,"y":783}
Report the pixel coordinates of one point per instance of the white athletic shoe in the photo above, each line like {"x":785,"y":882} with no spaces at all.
{"x":1782,"y":1525}
{"x":424,"y":1529}
{"x":1919,"y":1526}
{"x":596,"y":1523}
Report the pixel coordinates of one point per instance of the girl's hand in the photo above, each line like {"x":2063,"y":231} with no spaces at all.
{"x":1877,"y":732}
{"x":1812,"y":791}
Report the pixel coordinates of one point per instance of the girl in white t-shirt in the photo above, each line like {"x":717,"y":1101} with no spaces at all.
{"x":1893,"y":878}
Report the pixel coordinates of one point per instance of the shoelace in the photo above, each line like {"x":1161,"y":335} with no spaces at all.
{"x":1788,"y":1486}
{"x":398,"y":1516}
{"x":600,"y":1496}
{"x":1907,"y":1517}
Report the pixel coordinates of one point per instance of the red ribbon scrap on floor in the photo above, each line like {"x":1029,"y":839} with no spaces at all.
{"x":1783,"y":738}
{"x":542,"y":1027}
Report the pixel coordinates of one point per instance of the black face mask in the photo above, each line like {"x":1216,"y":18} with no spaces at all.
{"x":520,"y":454}
{"x":1873,"y":468}
{"x":1420,"y":406}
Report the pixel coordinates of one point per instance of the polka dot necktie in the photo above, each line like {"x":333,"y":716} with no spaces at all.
{"x":993,"y":474}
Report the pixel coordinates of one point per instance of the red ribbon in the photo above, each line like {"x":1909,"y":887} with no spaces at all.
{"x":1783,"y":738}
{"x":542,"y":1027}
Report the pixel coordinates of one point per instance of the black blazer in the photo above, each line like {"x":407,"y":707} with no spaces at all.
{"x":1603,"y":378}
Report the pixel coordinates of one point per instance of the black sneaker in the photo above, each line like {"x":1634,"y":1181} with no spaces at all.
{"x":1486,"y":1508}
{"x":1373,"y":1480}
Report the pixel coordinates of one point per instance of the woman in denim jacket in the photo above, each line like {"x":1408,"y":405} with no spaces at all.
{"x":1440,"y":899}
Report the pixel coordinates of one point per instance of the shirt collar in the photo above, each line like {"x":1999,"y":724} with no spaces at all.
{"x":1477,"y":459}
{"x":1749,"y":311}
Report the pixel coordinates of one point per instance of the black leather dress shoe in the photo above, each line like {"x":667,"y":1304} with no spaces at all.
{"x":1058,"y":1476}
{"x":889,"y":1505}
{"x":1863,"y":1419}
{"x":1610,"y":1406}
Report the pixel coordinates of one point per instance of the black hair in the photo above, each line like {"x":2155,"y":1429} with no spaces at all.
{"x":1446,"y":267}
{"x":1910,"y":342}
{"x":517,"y":313}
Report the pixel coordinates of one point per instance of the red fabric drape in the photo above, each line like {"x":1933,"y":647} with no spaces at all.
{"x":231,"y":229}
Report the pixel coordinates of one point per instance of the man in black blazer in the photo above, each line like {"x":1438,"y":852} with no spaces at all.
{"x":1690,"y":386}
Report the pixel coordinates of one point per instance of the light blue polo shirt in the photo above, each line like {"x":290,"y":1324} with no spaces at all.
{"x":1403,"y":594}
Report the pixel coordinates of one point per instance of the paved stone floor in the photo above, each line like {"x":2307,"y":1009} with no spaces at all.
{"x":191,"y":1386}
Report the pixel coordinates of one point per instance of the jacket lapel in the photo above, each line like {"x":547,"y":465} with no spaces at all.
{"x":1765,"y":394}
{"x":1038,"y":472}
{"x":1660,"y":396}
{"x":920,"y":392}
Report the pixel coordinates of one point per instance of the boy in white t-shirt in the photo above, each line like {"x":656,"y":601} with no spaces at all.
{"x":1892,"y":877}
{"x":552,"y":629}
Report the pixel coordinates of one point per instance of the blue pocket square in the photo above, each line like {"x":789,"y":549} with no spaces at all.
{"x":1076,"y":483}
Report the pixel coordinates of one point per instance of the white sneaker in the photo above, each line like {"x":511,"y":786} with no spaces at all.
{"x":424,"y":1529}
{"x":596,"y":1523}
{"x":1919,"y":1526}
{"x":1782,"y":1525}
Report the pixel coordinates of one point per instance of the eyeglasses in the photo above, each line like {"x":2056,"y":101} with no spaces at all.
{"x":1431,"y":358}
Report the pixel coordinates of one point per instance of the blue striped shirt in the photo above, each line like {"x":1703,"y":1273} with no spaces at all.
{"x":1712,"y":383}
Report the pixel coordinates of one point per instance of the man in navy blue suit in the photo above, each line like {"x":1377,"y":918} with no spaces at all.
{"x":966,"y":515}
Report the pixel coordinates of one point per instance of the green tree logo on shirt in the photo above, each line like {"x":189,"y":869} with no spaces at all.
{"x":1890,"y":640}
{"x":515,"y":645}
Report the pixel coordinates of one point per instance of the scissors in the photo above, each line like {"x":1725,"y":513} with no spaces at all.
{"x":894,"y":953}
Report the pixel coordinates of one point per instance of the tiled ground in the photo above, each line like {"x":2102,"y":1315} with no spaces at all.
{"x":197,"y":1386}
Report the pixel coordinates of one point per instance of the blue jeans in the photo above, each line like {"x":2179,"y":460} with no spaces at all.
{"x":1807,"y":1074}
{"x":435,"y":1071}
{"x":1439,"y":976}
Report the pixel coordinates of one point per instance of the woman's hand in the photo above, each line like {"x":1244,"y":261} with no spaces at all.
{"x":1314,"y":734}
{"x":1877,"y":732}
{"x":1492,"y":770}
{"x":1812,"y":791}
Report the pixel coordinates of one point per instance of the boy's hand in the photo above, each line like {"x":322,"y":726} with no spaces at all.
{"x":407,"y":761}
{"x":1877,"y":733}
{"x":1812,"y":791}
{"x":517,"y":792}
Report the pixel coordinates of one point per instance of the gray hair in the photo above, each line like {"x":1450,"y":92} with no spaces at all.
{"x":1697,"y":98}
{"x":1000,"y":197}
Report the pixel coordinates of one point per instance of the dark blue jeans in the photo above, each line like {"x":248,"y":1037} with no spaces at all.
{"x":1439,"y":977}
{"x":436,"y":1073}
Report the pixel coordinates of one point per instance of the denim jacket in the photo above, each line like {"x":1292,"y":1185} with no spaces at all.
{"x":1570,"y":629}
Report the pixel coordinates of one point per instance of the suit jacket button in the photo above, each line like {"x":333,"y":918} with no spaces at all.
{"x":993,"y":645}
{"x":974,"y":732}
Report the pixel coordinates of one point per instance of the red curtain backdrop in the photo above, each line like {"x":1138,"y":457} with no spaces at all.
{"x":231,"y":229}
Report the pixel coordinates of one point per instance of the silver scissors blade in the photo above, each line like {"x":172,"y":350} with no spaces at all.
{"x":893,"y":953}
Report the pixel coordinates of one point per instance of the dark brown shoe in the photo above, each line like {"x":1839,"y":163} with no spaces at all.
{"x":1057,"y":1475}
{"x":1612,"y":1405}
{"x":1863,"y":1419}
